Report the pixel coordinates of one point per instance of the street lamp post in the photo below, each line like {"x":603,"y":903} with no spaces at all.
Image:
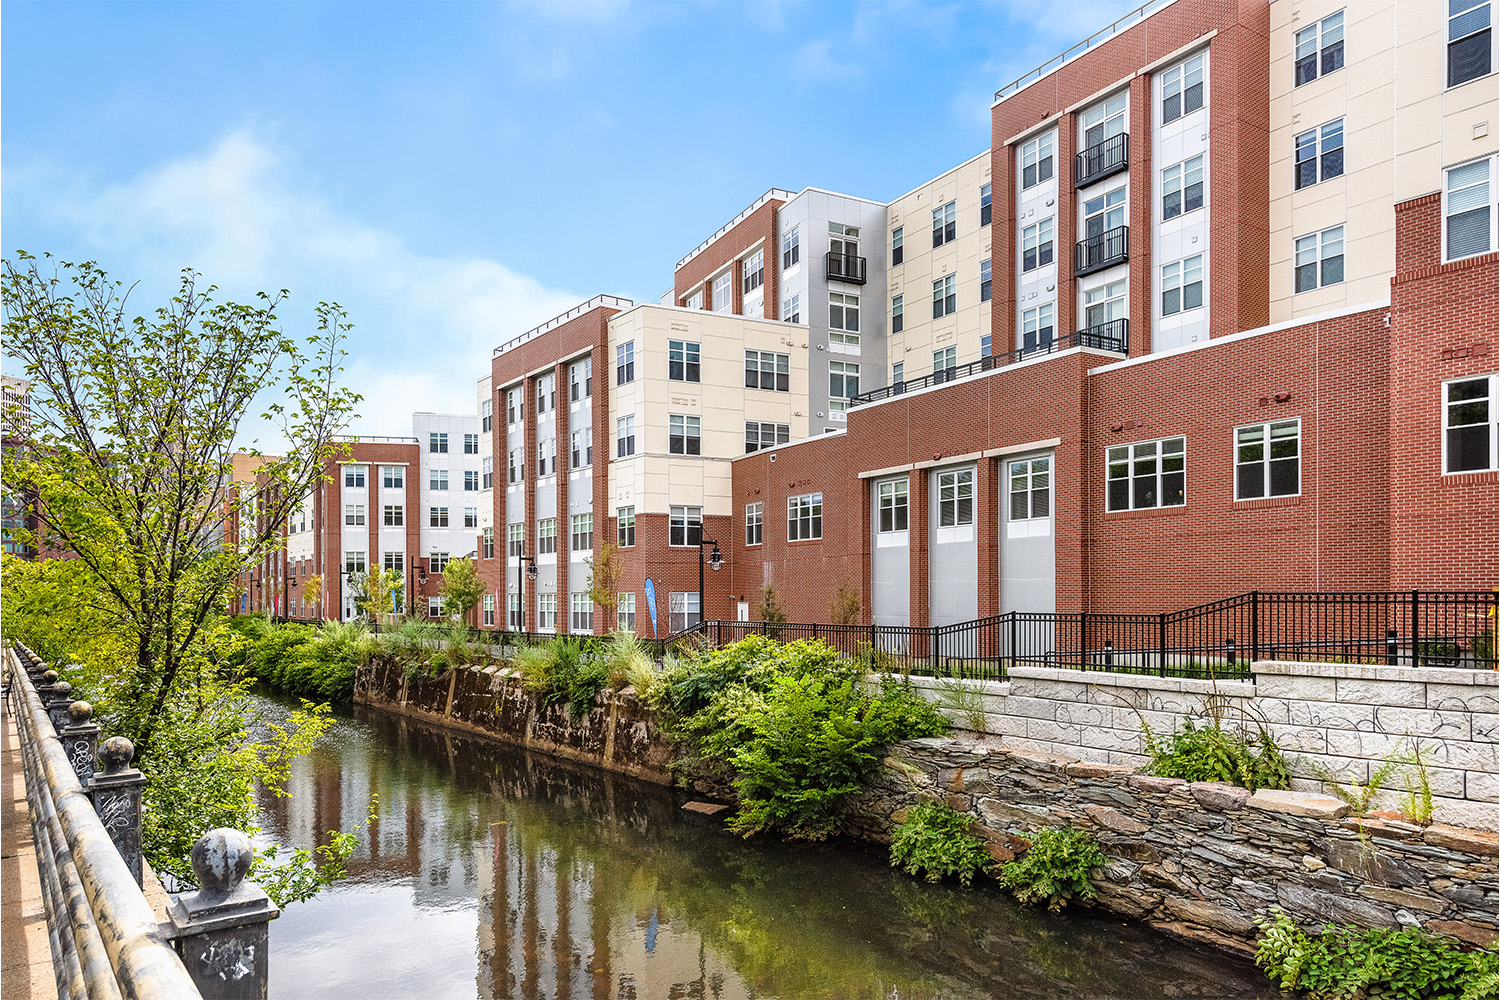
{"x":529,"y":565}
{"x":715,"y":560}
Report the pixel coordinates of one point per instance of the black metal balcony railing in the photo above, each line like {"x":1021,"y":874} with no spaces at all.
{"x":846,"y":267}
{"x":1098,"y":252}
{"x":1101,"y":160}
{"x":1112,"y":336}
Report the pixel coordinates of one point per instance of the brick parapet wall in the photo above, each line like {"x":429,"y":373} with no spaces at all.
{"x":759,"y":226}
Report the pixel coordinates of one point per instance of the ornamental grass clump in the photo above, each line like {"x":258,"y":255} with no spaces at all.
{"x":937,"y":841}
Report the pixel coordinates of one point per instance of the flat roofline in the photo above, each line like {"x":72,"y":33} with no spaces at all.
{"x":838,"y":194}
{"x":1098,"y":38}
{"x":598,"y":301}
{"x":792,"y":444}
{"x":772,"y":194}
{"x":705,"y":312}
{"x":938,"y":177}
{"x":372,"y":439}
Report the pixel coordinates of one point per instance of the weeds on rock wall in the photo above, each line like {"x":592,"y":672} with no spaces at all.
{"x":1407,"y":764}
{"x":1211,"y":753}
{"x":1055,"y":869}
{"x":937,"y":841}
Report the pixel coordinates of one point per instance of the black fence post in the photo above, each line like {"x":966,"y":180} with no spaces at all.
{"x":1161,"y":640}
{"x":1109,"y":652}
{"x":1390,"y":647}
{"x":1229,"y":652}
{"x":1416,"y":626}
{"x":1254,"y":625}
{"x":1083,"y":640}
{"x":1015,"y":647}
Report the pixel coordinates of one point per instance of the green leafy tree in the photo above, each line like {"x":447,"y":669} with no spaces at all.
{"x":461,"y":589}
{"x":378,"y":586}
{"x":604,"y":577}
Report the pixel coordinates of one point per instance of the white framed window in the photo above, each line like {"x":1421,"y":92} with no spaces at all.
{"x":471,"y":480}
{"x":682,"y":611}
{"x":393,"y":562}
{"x":898,"y":245}
{"x":945,"y":296}
{"x":1146,"y":474}
{"x":1268,"y":460}
{"x":1319,"y":49}
{"x":1471,"y":46}
{"x":955,"y":498}
{"x":546,"y":612}
{"x":754,"y":523}
{"x":1105,"y":121}
{"x":489,"y":609}
{"x":791,"y":248}
{"x":1182,"y":188}
{"x":437,"y":443}
{"x":843,"y":385}
{"x":1320,"y":154}
{"x":682,"y":361}
{"x":582,"y":619}
{"x":1182,"y":285}
{"x":986,"y":200}
{"x":1104,"y":213}
{"x":354,"y":513}
{"x":1182,"y":89}
{"x":768,"y":370}
{"x":843,"y":321}
{"x":1103,"y":304}
{"x":487,"y":543}
{"x":625,"y":436}
{"x":354,"y":475}
{"x":546,"y":393}
{"x":625,"y":362}
{"x":791,"y":309}
{"x":1030,"y":489}
{"x":898,"y":313}
{"x":1037,"y":327}
{"x":761,"y":434}
{"x":625,"y":527}
{"x":694,"y":301}
{"x":804,"y":517}
{"x":944,"y":358}
{"x":471,"y":444}
{"x":393,"y":515}
{"x":685,"y":527}
{"x":471,"y":517}
{"x":437,"y":517}
{"x":581,"y":380}
{"x":944,"y":224}
{"x":437,"y":562}
{"x":487,"y":416}
{"x":893,"y":504}
{"x":1469,"y":209}
{"x":1036,"y":160}
{"x":723,"y":292}
{"x":898,"y":373}
{"x":517,"y":539}
{"x":546,"y":457}
{"x":434,"y":607}
{"x":1036,"y":245}
{"x":583,"y":447}
{"x":986,"y":347}
{"x":684,"y":435}
{"x":393,"y":477}
{"x":1319,"y":259}
{"x":1469,"y":433}
{"x":354,"y":562}
{"x":514,"y":403}
{"x":986,"y":287}
{"x":513,"y":611}
{"x":753,"y":272}
{"x":437,"y":479}
{"x":625,"y":612}
{"x":515,"y":465}
{"x":546,"y":536}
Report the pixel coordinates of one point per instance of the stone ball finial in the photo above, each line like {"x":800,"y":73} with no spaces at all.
{"x":116,"y":753}
{"x":49,"y":677}
{"x":80,"y":712}
{"x":61,"y":689}
{"x":220,"y":860}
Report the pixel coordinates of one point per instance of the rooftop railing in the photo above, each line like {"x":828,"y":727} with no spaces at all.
{"x":609,"y":301}
{"x":1097,"y":38}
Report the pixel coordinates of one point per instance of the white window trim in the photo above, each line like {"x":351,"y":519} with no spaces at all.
{"x":1494,"y":424}
{"x":1130,"y":476}
{"x":1494,"y":52}
{"x":1234,"y":459}
{"x":1494,"y":207}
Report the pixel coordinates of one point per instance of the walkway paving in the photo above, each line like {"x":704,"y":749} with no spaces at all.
{"x":25,"y":959}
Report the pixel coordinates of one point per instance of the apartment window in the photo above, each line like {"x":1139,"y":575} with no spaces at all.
{"x":471,"y":480}
{"x":694,"y":301}
{"x":1182,"y":188}
{"x":944,"y":358}
{"x":1470,"y":49}
{"x":354,"y":513}
{"x":471,"y":517}
{"x":955,"y":498}
{"x":898,"y":373}
{"x":1104,"y":213}
{"x":843,"y":384}
{"x":1320,"y":259}
{"x":985,"y":287}
{"x":1030,"y":489}
{"x":513,"y":610}
{"x":1036,"y":160}
{"x":723,"y":291}
{"x":625,"y":436}
{"x":843,"y":320}
{"x":1320,"y":49}
{"x":791,"y":309}
{"x":513,"y":406}
{"x":1267,"y":460}
{"x":580,"y":380}
{"x":944,"y":224}
{"x":487,"y":543}
{"x":1320,"y":154}
{"x":683,"y":435}
{"x":1036,"y":245}
{"x":471,"y":444}
{"x":516,"y":467}
{"x":682,"y":361}
{"x":517,"y":540}
{"x":1182,"y":285}
{"x":898,"y":317}
{"x":393,"y":562}
{"x":984,"y":205}
{"x":1104,"y":121}
{"x":354,"y":475}
{"x":804,"y":517}
{"x":945,"y":296}
{"x":754,"y":523}
{"x":985,"y":346}
{"x":437,"y":562}
{"x":434,"y":607}
{"x":437,"y":443}
{"x":546,"y":457}
{"x":487,"y":416}
{"x":685,"y":527}
{"x":393,"y":515}
{"x":489,"y":609}
{"x":583,"y":614}
{"x":546,"y":393}
{"x":393,"y":477}
{"x":761,"y":434}
{"x":893,"y":505}
{"x":898,"y":245}
{"x":753,"y":272}
{"x":582,"y":534}
{"x":625,"y":612}
{"x":791,"y":248}
{"x":768,"y":370}
{"x":625,"y":362}
{"x":437,"y":479}
{"x":1182,"y":89}
{"x":1037,"y":327}
{"x":546,"y":612}
{"x":354,"y":562}
{"x":437,"y":517}
{"x":1468,"y":211}
{"x":1145,"y":474}
{"x":487,"y":473}
{"x":583,"y":447}
{"x":546,"y":536}
{"x":683,"y":611}
{"x":1468,"y":424}
{"x":1104,"y":304}
{"x":625,"y":525}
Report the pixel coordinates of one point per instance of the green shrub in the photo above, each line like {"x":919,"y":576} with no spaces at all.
{"x":1210,"y":753}
{"x":1346,"y":962}
{"x":1055,"y":868}
{"x":936,"y":841}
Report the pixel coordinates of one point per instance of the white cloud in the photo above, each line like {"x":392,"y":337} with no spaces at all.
{"x":424,"y":325}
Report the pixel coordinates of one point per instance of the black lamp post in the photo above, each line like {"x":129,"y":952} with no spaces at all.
{"x":715,"y":560}
{"x":419,"y":579}
{"x":530,"y":574}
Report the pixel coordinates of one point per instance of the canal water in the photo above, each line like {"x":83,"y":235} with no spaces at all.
{"x":491,"y":872}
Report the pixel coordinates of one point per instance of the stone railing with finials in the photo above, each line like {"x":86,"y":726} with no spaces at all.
{"x":84,"y":800}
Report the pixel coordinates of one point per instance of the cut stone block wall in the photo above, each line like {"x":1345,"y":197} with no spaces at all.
{"x":1342,"y":718}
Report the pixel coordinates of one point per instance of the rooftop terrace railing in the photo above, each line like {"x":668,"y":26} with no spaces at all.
{"x":1097,"y":38}
{"x":611,"y":301}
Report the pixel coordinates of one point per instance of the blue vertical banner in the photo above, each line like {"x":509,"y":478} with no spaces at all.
{"x":395,"y":602}
{"x":651,"y":604}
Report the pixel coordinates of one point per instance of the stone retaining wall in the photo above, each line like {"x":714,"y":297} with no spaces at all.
{"x":1343,"y":718}
{"x":1201,"y":860}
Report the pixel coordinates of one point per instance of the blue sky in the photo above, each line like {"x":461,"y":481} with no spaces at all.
{"x":456,"y":173}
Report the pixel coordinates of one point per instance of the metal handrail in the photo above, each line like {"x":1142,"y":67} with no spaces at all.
{"x":1097,"y":38}
{"x":106,"y":939}
{"x":617,"y":302}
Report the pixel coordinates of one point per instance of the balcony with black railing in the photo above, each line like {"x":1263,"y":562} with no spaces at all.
{"x":1107,"y":249}
{"x":1111,"y":335}
{"x":845,"y":267}
{"x":1101,"y":160}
